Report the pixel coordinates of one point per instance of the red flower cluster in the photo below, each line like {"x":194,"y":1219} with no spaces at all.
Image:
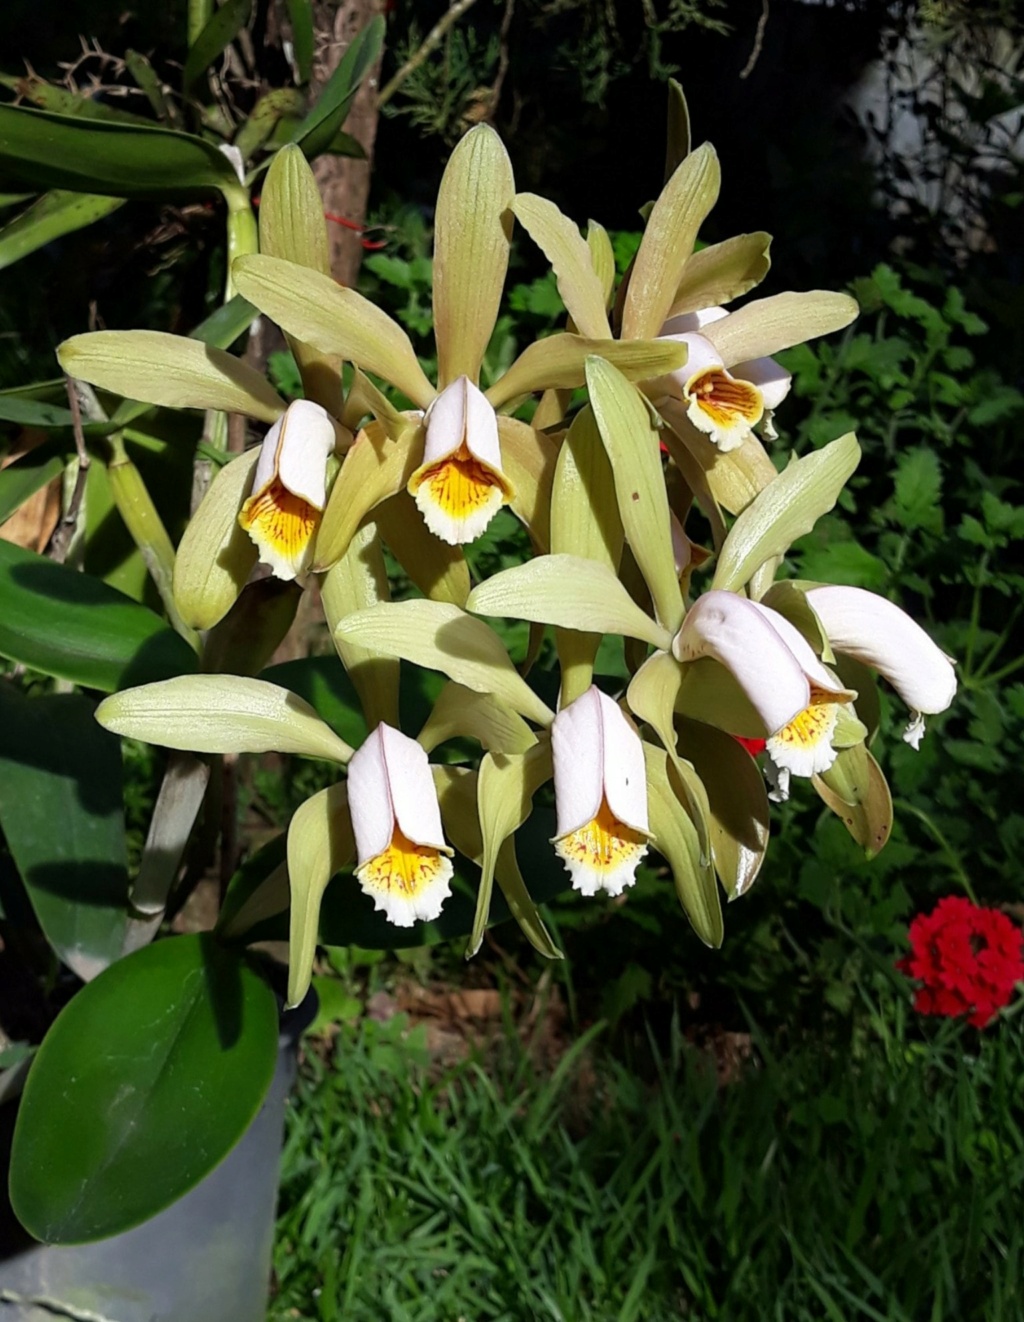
{"x":968,"y":959}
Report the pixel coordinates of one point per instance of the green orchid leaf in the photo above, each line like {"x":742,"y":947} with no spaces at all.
{"x":374,"y":469}
{"x":337,"y":321}
{"x":769,"y":325}
{"x":668,"y":241}
{"x":30,"y":473}
{"x":442,"y":637}
{"x":300,"y":13}
{"x":147,"y":1079}
{"x":226,"y":323}
{"x":77,"y":628}
{"x":506,"y":784}
{"x":257,"y":893}
{"x":580,"y":287}
{"x":856,"y":790}
{"x":675,"y":837}
{"x":50,"y":217}
{"x":221,"y":714}
{"x":99,"y":156}
{"x":62,"y":101}
{"x":223,"y":27}
{"x":559,"y":362}
{"x":320,"y":843}
{"x":29,"y":412}
{"x":786,"y":509}
{"x":677,"y":130}
{"x":147,"y":81}
{"x":58,"y":766}
{"x":439,"y":571}
{"x":738,"y":803}
{"x":460,"y":713}
{"x":632,"y":444}
{"x":173,"y":370}
{"x":472,"y":238}
{"x":358,"y":580}
{"x":570,"y":592}
{"x":721,"y":272}
{"x":292,"y":227}
{"x":216,"y":555}
{"x":316,"y":132}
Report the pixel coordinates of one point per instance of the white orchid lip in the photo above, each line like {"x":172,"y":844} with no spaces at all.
{"x":290,"y":488}
{"x":402,"y":861}
{"x":875,"y":631}
{"x":725,"y":408}
{"x":773,"y":664}
{"x":460,"y":485}
{"x":600,"y":794}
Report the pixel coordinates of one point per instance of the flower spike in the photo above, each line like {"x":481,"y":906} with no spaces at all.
{"x":460,"y":485}
{"x":600,"y":794}
{"x":402,"y":861}
{"x":290,"y":488}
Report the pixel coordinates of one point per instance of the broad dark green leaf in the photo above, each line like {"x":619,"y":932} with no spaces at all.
{"x":317,"y":130}
{"x":30,"y":473}
{"x":301,"y":14}
{"x":33,"y":412}
{"x":77,"y":628}
{"x":58,"y":766}
{"x":146,"y":1080}
{"x":54,"y":214}
{"x":224,"y":26}
{"x":92,"y":156}
{"x":61,"y":100}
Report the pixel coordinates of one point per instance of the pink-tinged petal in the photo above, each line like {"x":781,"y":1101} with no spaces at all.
{"x":687,"y":322}
{"x":413,"y":794}
{"x":482,"y":428}
{"x":625,"y":773}
{"x":369,"y":798}
{"x":770,"y":377}
{"x":446,"y":422}
{"x":804,"y":653}
{"x":731,"y":630}
{"x":877,"y":632}
{"x":576,"y":749}
{"x":304,"y":446}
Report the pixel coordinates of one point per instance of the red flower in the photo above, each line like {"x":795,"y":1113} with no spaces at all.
{"x":967,"y":958}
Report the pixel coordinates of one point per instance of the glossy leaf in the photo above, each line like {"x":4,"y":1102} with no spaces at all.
{"x":146,"y":1080}
{"x":559,"y":362}
{"x":721,"y":272}
{"x":567,"y":591}
{"x":316,"y":132}
{"x":98,"y":156}
{"x":338,"y":321}
{"x":579,"y":285}
{"x":786,"y":509}
{"x":50,"y":217}
{"x":29,"y":473}
{"x":320,"y":843}
{"x":472,"y":237}
{"x":77,"y":628}
{"x":58,"y":766}
{"x":632,"y":445}
{"x":223,"y":27}
{"x":768,"y":325}
{"x":668,"y":241}
{"x":221,"y":714}
{"x":442,"y":637}
{"x":173,"y":370}
{"x":300,"y":12}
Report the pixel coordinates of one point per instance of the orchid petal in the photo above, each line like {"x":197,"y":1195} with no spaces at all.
{"x":172,"y":370}
{"x":858,"y":793}
{"x":374,"y":469}
{"x":721,"y":272}
{"x":529,"y":459}
{"x":770,"y":377}
{"x":459,"y":712}
{"x":602,"y":256}
{"x":579,"y":284}
{"x":320,"y":843}
{"x":215,"y":556}
{"x":668,"y":241}
{"x":438,"y":569}
{"x":560,"y":362}
{"x":734,"y":477}
{"x":764,"y":327}
{"x":358,"y":580}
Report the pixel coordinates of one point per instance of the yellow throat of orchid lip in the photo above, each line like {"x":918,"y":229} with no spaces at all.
{"x":724,"y":402}
{"x":603,"y":854}
{"x":404,"y":870}
{"x":804,"y":745}
{"x":281,"y":522}
{"x":458,"y":495}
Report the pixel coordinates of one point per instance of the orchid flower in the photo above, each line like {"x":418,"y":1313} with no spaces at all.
{"x":402,"y":861}
{"x":600,"y":794}
{"x":875,"y":631}
{"x":290,"y":488}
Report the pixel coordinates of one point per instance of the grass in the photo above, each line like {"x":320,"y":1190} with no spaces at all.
{"x":886,"y":1186}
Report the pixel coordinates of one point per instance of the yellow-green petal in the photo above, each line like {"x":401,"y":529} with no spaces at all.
{"x":216,"y":555}
{"x":559,"y":362}
{"x":856,"y":790}
{"x":769,"y":325}
{"x":320,"y":843}
{"x":721,"y":272}
{"x":579,"y":285}
{"x":460,"y":713}
{"x":439,"y":570}
{"x":374,"y":469}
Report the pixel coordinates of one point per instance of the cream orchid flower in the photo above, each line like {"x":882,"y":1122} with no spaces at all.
{"x":600,"y":794}
{"x":290,"y":488}
{"x":402,"y":861}
{"x":876,"y":632}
